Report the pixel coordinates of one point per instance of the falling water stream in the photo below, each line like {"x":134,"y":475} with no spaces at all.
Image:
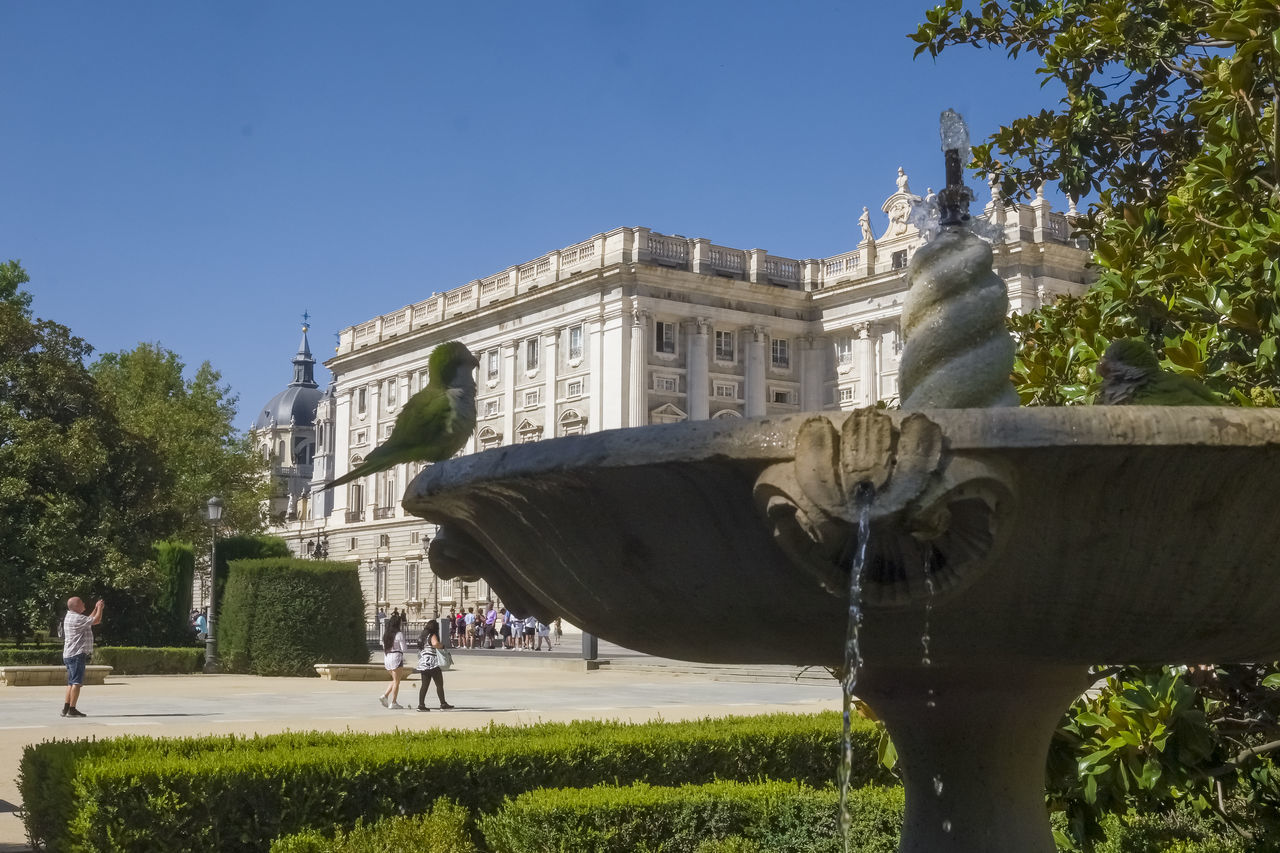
{"x":852,"y":652}
{"x":930,"y":700}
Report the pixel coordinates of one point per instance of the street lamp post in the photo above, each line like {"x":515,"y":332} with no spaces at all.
{"x":210,"y":643}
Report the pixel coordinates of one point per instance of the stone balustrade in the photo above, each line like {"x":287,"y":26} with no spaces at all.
{"x":645,"y":246}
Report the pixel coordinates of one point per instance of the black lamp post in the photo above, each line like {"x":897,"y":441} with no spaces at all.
{"x":211,"y":644}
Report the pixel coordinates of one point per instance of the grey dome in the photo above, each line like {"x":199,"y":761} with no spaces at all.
{"x":296,"y":404}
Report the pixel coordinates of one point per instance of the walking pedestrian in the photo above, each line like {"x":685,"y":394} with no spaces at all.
{"x":77,"y":646}
{"x":393,"y":659}
{"x":558,"y":630}
{"x":544,"y":633}
{"x":429,"y":667}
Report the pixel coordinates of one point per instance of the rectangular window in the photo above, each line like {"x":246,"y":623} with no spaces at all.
{"x":362,"y":400}
{"x":532,"y":398}
{"x":531,"y":354}
{"x":726,"y":390}
{"x":899,"y":260}
{"x":724,"y":346}
{"x":783,"y":396}
{"x":411,"y":582}
{"x":665,"y":384}
{"x":385,"y":429}
{"x":846,"y":395}
{"x":491,"y":365}
{"x":492,"y":407}
{"x":781,"y":351}
{"x":664,"y":337}
{"x":414,"y":536}
{"x":575,"y":342}
{"x":391,"y":393}
{"x":389,"y":493}
{"x":362,"y":437}
{"x":355,"y":544}
{"x":574,"y":388}
{"x":844,"y":351}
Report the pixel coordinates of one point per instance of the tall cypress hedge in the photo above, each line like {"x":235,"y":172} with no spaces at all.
{"x":282,"y":616}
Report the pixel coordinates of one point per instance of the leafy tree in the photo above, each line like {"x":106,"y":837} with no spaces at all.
{"x":1169,"y":119}
{"x":188,"y":423}
{"x":79,"y":496}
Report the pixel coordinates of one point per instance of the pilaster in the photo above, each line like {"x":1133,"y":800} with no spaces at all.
{"x":698,"y":375}
{"x":755,"y":371}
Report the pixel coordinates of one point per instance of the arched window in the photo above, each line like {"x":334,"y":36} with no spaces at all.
{"x":572,"y":423}
{"x":489,"y":438}
{"x":727,"y":413}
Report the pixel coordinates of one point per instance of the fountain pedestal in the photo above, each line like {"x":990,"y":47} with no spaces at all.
{"x":973,"y":761}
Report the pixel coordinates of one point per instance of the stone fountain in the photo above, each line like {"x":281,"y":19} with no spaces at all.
{"x":1038,"y":541}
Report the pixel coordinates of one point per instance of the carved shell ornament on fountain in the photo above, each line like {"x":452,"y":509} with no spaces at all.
{"x":936,"y":518}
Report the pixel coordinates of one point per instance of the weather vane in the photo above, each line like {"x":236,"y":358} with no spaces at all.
{"x":306,"y":319}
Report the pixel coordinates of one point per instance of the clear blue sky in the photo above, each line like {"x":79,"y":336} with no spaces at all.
{"x":199,"y":173}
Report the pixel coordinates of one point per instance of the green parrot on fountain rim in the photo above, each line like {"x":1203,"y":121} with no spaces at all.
{"x":436,"y":422}
{"x":1131,"y":376}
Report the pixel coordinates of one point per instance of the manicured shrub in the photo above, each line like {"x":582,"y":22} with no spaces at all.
{"x":232,"y":795}
{"x":282,"y":616}
{"x":244,"y":546}
{"x":176,"y":564}
{"x":781,"y":817}
{"x":129,"y":660}
{"x":444,"y":829}
{"x":124,"y":660}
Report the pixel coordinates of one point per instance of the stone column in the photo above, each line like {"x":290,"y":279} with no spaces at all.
{"x":638,"y":373}
{"x":864,"y":356}
{"x":809,"y":368}
{"x":508,"y":379}
{"x":698,"y":368}
{"x":755,"y":368}
{"x":375,"y":426}
{"x":341,"y":449}
{"x":550,"y":363}
{"x":595,"y":376}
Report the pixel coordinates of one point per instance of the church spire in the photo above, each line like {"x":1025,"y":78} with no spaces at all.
{"x":303,"y":364}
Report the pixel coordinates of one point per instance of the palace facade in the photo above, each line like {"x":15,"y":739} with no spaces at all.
{"x":626,"y":328}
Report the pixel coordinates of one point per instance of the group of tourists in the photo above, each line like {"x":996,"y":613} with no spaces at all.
{"x":499,"y":628}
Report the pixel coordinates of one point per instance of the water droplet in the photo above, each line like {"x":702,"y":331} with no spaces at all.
{"x":946,"y":826}
{"x":926,"y":661}
{"x":931,"y":704}
{"x":937,"y":785}
{"x":852,"y":651}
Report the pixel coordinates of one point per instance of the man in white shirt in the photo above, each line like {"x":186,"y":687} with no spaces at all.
{"x":77,"y":645}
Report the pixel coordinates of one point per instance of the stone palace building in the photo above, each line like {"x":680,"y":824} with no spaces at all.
{"x":625,"y":328}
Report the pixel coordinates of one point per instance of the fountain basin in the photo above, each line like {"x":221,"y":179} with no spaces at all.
{"x":1105,"y":534}
{"x":1039,"y":542}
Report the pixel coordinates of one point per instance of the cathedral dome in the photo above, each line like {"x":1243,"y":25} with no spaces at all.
{"x":296,"y":404}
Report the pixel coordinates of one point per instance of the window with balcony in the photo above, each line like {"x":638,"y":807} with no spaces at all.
{"x":575,"y":342}
{"x":780,"y":350}
{"x":411,"y":582}
{"x":844,"y":351}
{"x":664,"y":337}
{"x":724,"y":346}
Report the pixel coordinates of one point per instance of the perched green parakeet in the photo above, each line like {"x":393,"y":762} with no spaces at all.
{"x":1131,"y":375}
{"x":436,"y":422}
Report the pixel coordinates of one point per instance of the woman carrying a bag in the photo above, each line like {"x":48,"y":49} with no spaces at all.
{"x":429,"y":666}
{"x":393,"y":650}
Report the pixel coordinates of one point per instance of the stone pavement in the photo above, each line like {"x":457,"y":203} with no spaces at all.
{"x":502,"y":687}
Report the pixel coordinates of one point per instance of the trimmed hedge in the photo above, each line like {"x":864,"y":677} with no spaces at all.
{"x":444,"y":829}
{"x":282,"y":616}
{"x":780,"y":817}
{"x":1172,"y":832}
{"x":233,"y":794}
{"x":124,"y":660}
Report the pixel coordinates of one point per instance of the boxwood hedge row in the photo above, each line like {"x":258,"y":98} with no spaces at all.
{"x":237,"y":794}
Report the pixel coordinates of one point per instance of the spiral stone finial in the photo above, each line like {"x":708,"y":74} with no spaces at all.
{"x":958,"y":352}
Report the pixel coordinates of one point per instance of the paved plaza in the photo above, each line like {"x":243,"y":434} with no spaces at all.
{"x":507,"y":688}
